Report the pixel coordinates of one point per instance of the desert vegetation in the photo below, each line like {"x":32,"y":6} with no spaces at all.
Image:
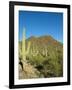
{"x":43,"y":58}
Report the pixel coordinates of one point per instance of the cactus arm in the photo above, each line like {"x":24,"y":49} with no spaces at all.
{"x":28,"y":48}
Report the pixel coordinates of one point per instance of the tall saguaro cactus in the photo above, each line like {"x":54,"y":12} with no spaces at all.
{"x":24,"y":52}
{"x":23,"y":46}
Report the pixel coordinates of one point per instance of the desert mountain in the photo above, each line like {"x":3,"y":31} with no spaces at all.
{"x":45,"y":55}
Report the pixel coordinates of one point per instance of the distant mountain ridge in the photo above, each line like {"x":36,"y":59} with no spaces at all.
{"x":44,"y":40}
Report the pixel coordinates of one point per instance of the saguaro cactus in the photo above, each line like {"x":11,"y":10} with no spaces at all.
{"x":23,"y":46}
{"x":24,"y":52}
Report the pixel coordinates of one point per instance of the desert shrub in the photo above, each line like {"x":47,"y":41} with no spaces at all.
{"x":48,"y":66}
{"x":39,"y":67}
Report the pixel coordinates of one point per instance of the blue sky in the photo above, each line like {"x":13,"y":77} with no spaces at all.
{"x":41,"y":24}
